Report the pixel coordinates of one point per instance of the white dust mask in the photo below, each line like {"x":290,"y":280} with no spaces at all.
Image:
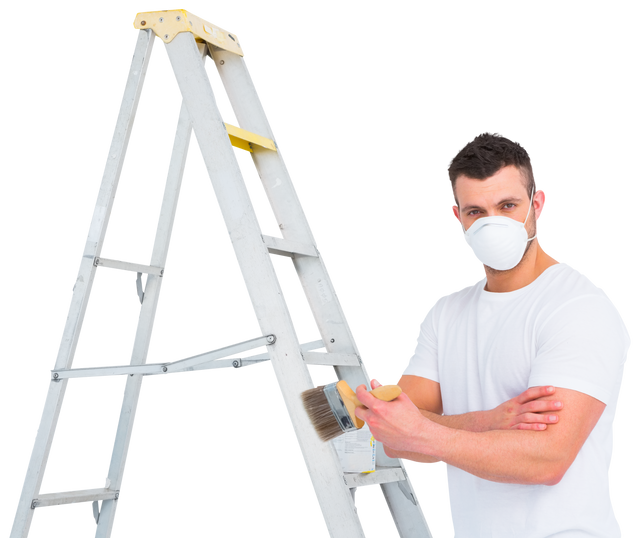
{"x":499,"y":242}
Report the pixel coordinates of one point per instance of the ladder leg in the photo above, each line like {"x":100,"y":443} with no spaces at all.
{"x":145,"y":322}
{"x":97,"y":230}
{"x":262,"y":284}
{"x":39,"y":456}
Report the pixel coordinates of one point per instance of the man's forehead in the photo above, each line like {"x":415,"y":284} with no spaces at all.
{"x":509,"y":182}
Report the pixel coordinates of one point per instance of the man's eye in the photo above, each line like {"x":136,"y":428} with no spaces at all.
{"x":509,"y":206}
{"x":474,"y":212}
{"x":503,"y":207}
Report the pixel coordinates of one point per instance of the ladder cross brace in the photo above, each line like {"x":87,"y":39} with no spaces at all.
{"x":183,"y":365}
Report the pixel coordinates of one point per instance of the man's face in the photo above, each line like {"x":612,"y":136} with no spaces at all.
{"x":503,"y":194}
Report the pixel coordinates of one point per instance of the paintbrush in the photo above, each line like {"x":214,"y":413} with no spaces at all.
{"x":332,"y":408}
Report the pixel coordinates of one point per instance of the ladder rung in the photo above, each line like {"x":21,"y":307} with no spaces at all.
{"x":284,"y":247}
{"x":331,"y":359}
{"x":382,"y":475}
{"x":80,"y":496}
{"x":135,"y":267}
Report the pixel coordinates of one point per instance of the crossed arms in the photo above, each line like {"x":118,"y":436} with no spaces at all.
{"x":526,"y":440}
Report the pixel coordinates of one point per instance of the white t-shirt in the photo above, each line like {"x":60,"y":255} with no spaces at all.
{"x":485,"y":348}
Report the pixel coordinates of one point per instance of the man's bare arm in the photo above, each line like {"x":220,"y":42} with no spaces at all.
{"x":526,"y":411}
{"x":475,"y":421}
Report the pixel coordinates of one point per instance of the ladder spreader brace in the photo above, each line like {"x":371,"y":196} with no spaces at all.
{"x":204,"y":361}
{"x":189,"y":40}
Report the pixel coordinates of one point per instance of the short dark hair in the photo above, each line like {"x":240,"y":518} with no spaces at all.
{"x":486,"y":155}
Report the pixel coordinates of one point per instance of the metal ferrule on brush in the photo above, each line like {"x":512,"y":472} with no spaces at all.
{"x":338,"y":408}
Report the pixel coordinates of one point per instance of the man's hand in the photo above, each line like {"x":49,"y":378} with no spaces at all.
{"x":397,"y":424}
{"x":527,"y":411}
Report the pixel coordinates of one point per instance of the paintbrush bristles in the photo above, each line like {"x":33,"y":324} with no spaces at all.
{"x":319,"y":411}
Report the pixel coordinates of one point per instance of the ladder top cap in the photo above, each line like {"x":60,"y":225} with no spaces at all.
{"x":167,"y":24}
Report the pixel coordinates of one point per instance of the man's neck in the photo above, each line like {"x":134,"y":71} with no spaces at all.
{"x":533,"y":264}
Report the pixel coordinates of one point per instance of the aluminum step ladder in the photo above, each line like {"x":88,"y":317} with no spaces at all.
{"x":189,"y":41}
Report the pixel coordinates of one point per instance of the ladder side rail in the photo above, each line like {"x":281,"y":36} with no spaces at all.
{"x":249,"y":112}
{"x":262,"y":284}
{"x":313,"y":274}
{"x":146,"y":319}
{"x":84,"y":282}
{"x":286,"y":206}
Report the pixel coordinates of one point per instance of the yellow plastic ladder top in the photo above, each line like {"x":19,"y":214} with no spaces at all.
{"x":167,"y":24}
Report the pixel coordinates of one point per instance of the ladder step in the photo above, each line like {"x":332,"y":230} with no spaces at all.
{"x":80,"y":496}
{"x":331,"y":359}
{"x":382,"y":475}
{"x":126,"y":266}
{"x":283,"y":247}
{"x":241,"y":139}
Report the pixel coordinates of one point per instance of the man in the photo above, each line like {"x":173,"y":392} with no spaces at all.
{"x":514,"y":381}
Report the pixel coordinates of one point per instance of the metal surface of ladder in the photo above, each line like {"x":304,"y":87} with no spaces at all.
{"x":189,"y":40}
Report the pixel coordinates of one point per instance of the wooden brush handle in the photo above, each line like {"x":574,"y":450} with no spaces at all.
{"x":386,"y":393}
{"x":350,"y":400}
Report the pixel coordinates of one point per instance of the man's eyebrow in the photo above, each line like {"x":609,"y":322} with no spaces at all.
{"x":511,"y":200}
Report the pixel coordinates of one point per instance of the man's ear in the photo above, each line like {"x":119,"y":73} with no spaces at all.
{"x":542,"y":198}
{"x":454,"y":213}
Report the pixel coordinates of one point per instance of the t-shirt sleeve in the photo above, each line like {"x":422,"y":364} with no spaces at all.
{"x":582,"y":346}
{"x":424,"y":362}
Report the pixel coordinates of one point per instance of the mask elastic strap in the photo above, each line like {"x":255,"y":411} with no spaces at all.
{"x":526,"y":218}
{"x":530,"y":206}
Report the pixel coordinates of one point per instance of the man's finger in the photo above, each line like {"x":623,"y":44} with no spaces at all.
{"x":534,"y":393}
{"x":541,"y":406}
{"x":364,"y":396}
